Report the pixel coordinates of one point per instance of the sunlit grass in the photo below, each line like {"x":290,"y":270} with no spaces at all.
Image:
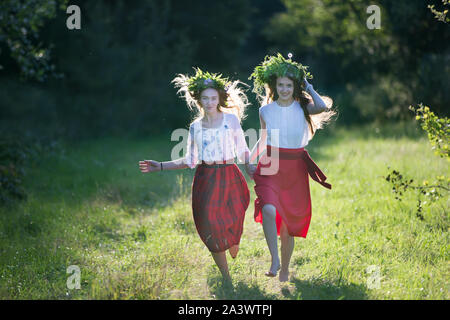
{"x":133,"y":237}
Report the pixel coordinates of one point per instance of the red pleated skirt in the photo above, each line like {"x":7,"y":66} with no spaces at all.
{"x":286,"y":187}
{"x":220,"y":197}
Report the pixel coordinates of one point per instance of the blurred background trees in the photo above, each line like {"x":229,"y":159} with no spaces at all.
{"x":113,"y":76}
{"x":20,"y":26}
{"x":373,"y":74}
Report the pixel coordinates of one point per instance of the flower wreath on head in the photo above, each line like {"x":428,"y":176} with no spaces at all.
{"x":190,"y":88}
{"x":204,"y":80}
{"x":280,"y":67}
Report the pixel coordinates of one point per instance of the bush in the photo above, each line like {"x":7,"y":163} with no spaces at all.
{"x":13,"y":154}
{"x":438,"y":131}
{"x":17,"y":154}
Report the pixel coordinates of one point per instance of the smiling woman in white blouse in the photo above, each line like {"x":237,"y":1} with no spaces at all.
{"x":292,"y":112}
{"x":220,"y":194}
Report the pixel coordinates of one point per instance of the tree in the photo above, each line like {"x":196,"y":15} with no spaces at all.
{"x":438,"y":132}
{"x":20,"y":23}
{"x":377,"y":73}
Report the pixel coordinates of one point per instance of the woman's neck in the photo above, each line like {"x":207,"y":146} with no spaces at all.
{"x":212,"y":118}
{"x":285,"y":103}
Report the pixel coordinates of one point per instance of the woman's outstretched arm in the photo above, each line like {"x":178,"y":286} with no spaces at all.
{"x":189,"y":161}
{"x":151,"y":165}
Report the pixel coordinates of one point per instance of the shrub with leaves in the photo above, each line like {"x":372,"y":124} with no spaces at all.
{"x":12,"y":156}
{"x":431,"y":191}
{"x":16,"y":155}
{"x":438,"y":131}
{"x":441,"y":15}
{"x":20,"y":23}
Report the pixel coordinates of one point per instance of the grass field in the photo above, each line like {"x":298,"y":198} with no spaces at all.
{"x":132,"y":235}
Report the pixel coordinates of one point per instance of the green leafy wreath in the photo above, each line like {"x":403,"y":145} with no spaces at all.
{"x":280,"y":67}
{"x":204,"y":80}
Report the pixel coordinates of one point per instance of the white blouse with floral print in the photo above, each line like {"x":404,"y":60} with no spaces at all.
{"x":216,"y":144}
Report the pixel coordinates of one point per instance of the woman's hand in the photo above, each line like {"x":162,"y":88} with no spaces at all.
{"x":250,"y":169}
{"x":308,"y":86}
{"x":149,"y":166}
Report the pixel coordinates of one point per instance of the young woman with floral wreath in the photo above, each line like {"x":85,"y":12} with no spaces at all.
{"x":220,"y":195}
{"x":292,"y":112}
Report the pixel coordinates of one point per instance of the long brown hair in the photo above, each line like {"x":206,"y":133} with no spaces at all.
{"x":315,"y":121}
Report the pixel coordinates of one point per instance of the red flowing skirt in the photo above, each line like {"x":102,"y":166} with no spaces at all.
{"x":286,"y":187}
{"x":220,"y":197}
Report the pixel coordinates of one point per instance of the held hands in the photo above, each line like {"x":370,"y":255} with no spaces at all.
{"x":149,"y":166}
{"x":250,"y":169}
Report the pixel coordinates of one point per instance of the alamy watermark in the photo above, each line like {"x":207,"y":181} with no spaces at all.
{"x":373,"y":281}
{"x":374,"y":20}
{"x":73,"y":281}
{"x":74,"y":20}
{"x":269,"y":164}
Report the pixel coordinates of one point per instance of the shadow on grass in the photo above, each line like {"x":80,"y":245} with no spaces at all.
{"x":296,"y":289}
{"x":322,"y":290}
{"x":222,"y":290}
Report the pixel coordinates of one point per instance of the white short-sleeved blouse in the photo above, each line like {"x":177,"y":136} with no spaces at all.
{"x":293,"y":130}
{"x":216,"y":144}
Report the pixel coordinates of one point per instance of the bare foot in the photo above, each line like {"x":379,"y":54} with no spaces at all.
{"x":234,"y":251}
{"x":284,"y":276}
{"x":273,"y":269}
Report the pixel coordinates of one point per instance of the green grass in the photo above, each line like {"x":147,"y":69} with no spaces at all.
{"x":132,"y":235}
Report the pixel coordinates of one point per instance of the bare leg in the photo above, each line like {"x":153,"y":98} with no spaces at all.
{"x":221,"y":260}
{"x":270,"y":232}
{"x":287,"y":247}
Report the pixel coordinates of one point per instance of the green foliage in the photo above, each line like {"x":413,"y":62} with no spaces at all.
{"x":330,"y":28}
{"x":438,"y":132}
{"x":277,"y":66}
{"x":387,"y":99}
{"x":401,"y":185}
{"x":17,"y":156}
{"x":438,"y":129}
{"x":203,"y":80}
{"x":20,"y":24}
{"x":120,"y":64}
{"x":389,"y":65}
{"x":441,"y":15}
{"x":12,"y":160}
